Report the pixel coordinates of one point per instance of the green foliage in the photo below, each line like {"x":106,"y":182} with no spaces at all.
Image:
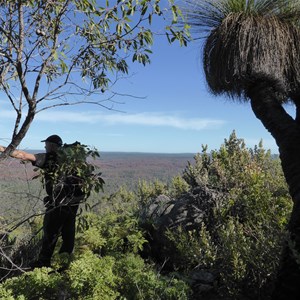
{"x":178,"y":186}
{"x":196,"y":174}
{"x":241,"y":247}
{"x":33,"y":285}
{"x":88,"y":277}
{"x":110,"y":233}
{"x":140,"y":281}
{"x":248,"y":257}
{"x":149,"y":190}
{"x":74,"y":169}
{"x":120,"y":28}
{"x":193,"y":248}
{"x":92,"y":277}
{"x":73,"y":159}
{"x":121,"y":200}
{"x":8,"y":295}
{"x":20,"y":243}
{"x":103,"y":36}
{"x":245,"y":242}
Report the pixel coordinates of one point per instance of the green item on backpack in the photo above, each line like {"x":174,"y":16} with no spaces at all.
{"x":75,"y":175}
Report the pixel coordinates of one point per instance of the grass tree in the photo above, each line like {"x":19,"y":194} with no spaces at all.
{"x":252,"y":53}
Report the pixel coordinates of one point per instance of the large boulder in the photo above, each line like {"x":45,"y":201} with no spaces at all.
{"x":189,"y":211}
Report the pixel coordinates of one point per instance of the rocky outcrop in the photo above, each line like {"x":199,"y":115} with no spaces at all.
{"x":189,"y":211}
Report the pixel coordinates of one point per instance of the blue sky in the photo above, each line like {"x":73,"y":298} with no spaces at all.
{"x":177,"y":114}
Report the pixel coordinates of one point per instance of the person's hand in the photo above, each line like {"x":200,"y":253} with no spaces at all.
{"x":2,"y":149}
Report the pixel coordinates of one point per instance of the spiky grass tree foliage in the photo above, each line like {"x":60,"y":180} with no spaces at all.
{"x":247,"y":40}
{"x":252,"y":52}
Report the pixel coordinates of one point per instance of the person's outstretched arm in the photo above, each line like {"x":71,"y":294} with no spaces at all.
{"x":20,"y":154}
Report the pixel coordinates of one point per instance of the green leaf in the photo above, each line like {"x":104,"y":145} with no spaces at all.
{"x":144,"y":10}
{"x":174,"y":12}
{"x":64,"y":67}
{"x":55,"y":55}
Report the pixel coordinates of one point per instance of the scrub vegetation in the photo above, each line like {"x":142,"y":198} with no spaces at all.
{"x":241,"y":249}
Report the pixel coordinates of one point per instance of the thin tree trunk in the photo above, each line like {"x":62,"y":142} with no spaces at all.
{"x":266,"y":104}
{"x":18,"y":137}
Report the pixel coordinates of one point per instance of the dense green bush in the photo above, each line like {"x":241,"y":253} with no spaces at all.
{"x":244,"y":245}
{"x":146,"y":191}
{"x":105,"y":265}
{"x":33,"y":285}
{"x":139,"y":280}
{"x":110,"y":233}
{"x":90,"y":276}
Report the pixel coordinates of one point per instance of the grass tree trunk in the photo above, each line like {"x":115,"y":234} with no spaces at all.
{"x":266,"y":102}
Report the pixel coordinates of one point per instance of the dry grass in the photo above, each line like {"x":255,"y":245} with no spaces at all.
{"x":248,"y":40}
{"x":245,"y":47}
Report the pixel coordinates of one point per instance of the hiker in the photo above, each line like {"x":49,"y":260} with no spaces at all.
{"x":61,"y":204}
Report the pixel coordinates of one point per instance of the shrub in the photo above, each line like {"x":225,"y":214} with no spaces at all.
{"x":149,"y":190}
{"x":110,"y":233}
{"x":192,"y":248}
{"x":37,"y":284}
{"x":244,"y":245}
{"x":139,"y":280}
{"x":92,"y":277}
{"x":178,"y":186}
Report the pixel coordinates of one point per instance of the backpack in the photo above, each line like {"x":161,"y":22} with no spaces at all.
{"x":73,"y":174}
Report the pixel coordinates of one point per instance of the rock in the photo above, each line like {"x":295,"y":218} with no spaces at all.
{"x":202,"y":281}
{"x":189,"y":211}
{"x":202,"y":276}
{"x":157,"y":208}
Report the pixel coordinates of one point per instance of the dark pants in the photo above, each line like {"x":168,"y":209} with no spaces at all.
{"x":58,"y":220}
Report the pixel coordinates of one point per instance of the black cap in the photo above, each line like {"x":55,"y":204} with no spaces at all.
{"x":54,"y":139}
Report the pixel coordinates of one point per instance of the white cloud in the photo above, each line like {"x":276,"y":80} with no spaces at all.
{"x":150,"y":119}
{"x":143,"y":119}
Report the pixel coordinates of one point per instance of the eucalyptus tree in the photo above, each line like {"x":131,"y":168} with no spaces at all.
{"x":252,"y":53}
{"x":52,"y":49}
